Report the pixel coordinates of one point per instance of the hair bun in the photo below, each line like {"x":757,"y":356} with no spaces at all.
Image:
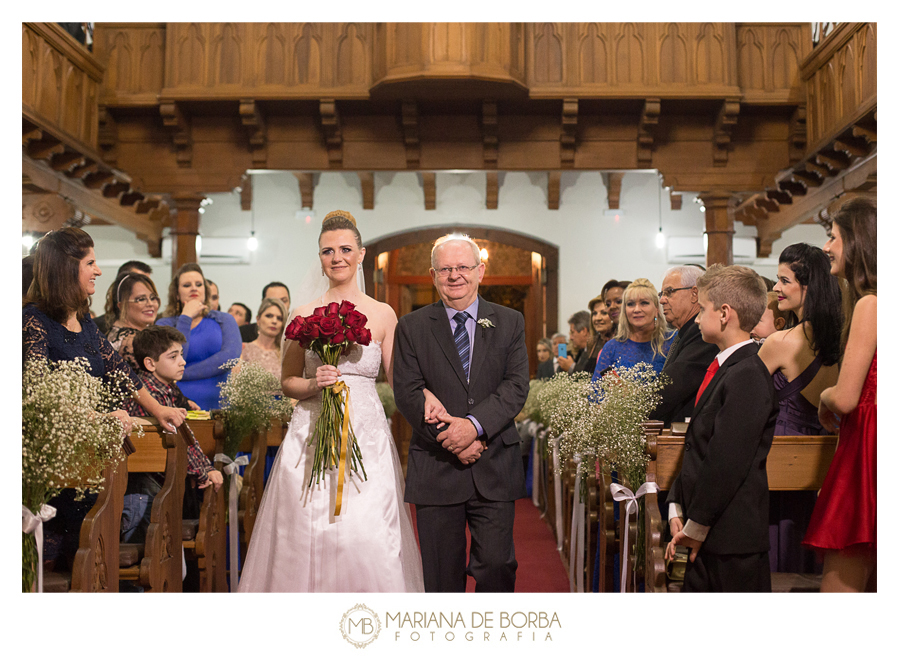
{"x":338,"y":213}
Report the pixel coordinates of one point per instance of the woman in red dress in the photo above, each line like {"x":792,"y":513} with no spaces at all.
{"x":843,"y":525}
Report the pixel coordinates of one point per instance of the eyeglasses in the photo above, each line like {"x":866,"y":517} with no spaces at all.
{"x":143,"y":299}
{"x":669,"y":291}
{"x":462,"y":270}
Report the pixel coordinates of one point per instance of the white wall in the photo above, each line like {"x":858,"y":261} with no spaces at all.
{"x":593,"y":247}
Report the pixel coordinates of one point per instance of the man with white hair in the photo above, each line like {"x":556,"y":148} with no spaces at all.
{"x":689,"y":356}
{"x":464,"y":465}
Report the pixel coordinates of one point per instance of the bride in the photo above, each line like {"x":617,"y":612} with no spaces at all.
{"x":298,"y":545}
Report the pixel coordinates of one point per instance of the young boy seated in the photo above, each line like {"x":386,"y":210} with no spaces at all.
{"x":719,"y":503}
{"x":158,"y":353}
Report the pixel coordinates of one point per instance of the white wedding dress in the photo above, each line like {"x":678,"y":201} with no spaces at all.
{"x":298,"y":545}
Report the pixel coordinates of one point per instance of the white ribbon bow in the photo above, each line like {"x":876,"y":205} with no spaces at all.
{"x":576,"y":537}
{"x":34,"y":524}
{"x":620,"y":493}
{"x":557,"y":492}
{"x":231,"y":468}
{"x":536,"y":459}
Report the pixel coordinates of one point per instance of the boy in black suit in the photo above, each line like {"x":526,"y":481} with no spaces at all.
{"x":722,"y":489}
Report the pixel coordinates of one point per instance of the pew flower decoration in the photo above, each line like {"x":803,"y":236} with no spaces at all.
{"x":626,"y":397}
{"x":567,"y":408}
{"x":532,"y":408}
{"x":67,"y":437}
{"x":251,"y":400}
{"x":329,"y":332}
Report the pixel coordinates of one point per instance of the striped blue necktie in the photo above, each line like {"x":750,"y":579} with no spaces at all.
{"x":461,"y":338}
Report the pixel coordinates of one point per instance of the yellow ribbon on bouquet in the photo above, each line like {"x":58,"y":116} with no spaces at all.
{"x":338,"y":388}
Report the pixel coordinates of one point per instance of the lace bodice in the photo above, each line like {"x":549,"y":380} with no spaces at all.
{"x":361,"y":362}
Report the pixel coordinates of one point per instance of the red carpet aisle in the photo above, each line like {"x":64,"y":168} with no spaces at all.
{"x":540,"y":567}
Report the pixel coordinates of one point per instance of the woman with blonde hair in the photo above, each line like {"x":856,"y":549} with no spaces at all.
{"x":266,"y":349}
{"x":641,"y":334}
{"x":213,"y":337}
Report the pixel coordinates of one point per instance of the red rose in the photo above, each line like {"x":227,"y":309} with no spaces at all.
{"x":363,"y":336}
{"x":319,"y":311}
{"x":355,"y":319}
{"x":315,"y":319}
{"x":329,"y":326}
{"x":333,"y":308}
{"x":346,"y":307}
{"x":338,"y":338}
{"x":308,"y":334}
{"x":294,"y":328}
{"x":351,"y":334}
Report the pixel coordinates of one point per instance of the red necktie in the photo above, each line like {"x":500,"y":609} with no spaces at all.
{"x":710,"y":373}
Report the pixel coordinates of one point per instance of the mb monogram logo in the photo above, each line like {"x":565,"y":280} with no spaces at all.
{"x":360,"y":626}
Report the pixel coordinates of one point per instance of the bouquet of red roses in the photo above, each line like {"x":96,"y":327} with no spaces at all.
{"x":329,"y":332}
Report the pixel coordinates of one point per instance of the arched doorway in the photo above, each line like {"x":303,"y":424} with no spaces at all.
{"x":522,"y":272}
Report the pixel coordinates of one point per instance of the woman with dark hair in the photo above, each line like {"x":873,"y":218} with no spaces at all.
{"x":132,"y":305}
{"x":213,"y":337}
{"x":611,"y":293}
{"x":57,"y":326}
{"x":843,"y":524}
{"x":601,"y":331}
{"x":802,"y":360}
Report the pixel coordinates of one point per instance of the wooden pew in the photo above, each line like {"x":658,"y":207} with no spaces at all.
{"x":96,"y":564}
{"x":157,"y":563}
{"x":205,"y":539}
{"x":252,"y":488}
{"x":795,"y":463}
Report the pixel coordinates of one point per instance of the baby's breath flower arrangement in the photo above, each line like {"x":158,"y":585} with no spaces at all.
{"x":532,"y":408}
{"x":567,"y":408}
{"x":386,"y":395}
{"x":67,"y":436}
{"x":626,"y":397}
{"x":251,"y":398}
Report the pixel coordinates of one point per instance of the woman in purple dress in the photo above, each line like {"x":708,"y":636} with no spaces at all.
{"x":803,"y":362}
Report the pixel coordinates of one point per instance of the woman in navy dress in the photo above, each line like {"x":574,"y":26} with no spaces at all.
{"x":802,"y":360}
{"x":213,"y":337}
{"x":57,"y":326}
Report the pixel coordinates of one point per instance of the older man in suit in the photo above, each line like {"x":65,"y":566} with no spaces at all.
{"x":464,"y":468}
{"x":688,"y":356}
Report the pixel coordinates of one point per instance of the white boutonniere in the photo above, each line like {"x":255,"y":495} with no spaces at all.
{"x":485,"y":323}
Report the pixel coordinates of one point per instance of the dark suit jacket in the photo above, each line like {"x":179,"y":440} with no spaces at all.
{"x":723,"y":481}
{"x":686,"y":366}
{"x":545,"y":369}
{"x":249,"y":332}
{"x":426,"y":357}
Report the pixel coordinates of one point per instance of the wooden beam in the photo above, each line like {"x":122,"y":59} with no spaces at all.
{"x":409,"y":119}
{"x":568,"y":127}
{"x":553,"y":179}
{"x":253,"y":121}
{"x":675,"y":201}
{"x":65,"y":160}
{"x":646,"y":132}
{"x":331,"y":127}
{"x":802,"y":208}
{"x":719,"y":229}
{"x":185,"y":229}
{"x":429,"y":183}
{"x":306,"y":182}
{"x":178,"y":123}
{"x":246,"y":192}
{"x":797,"y":135}
{"x":613,"y":183}
{"x":367,"y":181}
{"x":44,"y":212}
{"x":492,"y":190}
{"x":107,"y":136}
{"x":725,"y":123}
{"x":87,"y":200}
{"x":489,"y":134}
{"x":41,"y":149}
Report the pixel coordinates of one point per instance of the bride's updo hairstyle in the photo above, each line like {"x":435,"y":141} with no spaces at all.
{"x":338,"y":220}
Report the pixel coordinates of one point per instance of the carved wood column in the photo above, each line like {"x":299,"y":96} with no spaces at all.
{"x":185,"y":229}
{"x":719,"y":229}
